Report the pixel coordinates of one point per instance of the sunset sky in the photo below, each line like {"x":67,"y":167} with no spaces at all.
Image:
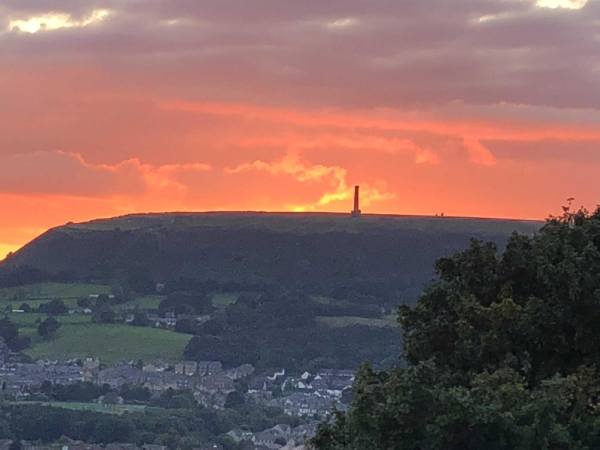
{"x":468,"y":107}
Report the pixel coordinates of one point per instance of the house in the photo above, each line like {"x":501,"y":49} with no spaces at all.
{"x":209,"y":367}
{"x":305,"y":405}
{"x":91,"y":364}
{"x":273,"y":374}
{"x":188,"y":368}
{"x":215,"y":383}
{"x":20,"y":378}
{"x":157,"y":366}
{"x":239,"y":435}
{"x":240,"y":372}
{"x":161,"y":381}
{"x":260,"y":383}
{"x":274,"y":437}
{"x":117,"y":376}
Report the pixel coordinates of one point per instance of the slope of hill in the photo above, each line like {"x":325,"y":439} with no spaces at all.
{"x":314,"y":252}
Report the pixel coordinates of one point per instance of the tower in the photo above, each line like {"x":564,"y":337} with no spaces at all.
{"x":356,"y":211}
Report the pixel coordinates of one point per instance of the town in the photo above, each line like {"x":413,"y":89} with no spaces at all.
{"x":310,"y":396}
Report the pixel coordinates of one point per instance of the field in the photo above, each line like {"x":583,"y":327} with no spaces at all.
{"x":43,"y":292}
{"x":28,"y":320}
{"x":96,"y":407}
{"x":146,"y":302}
{"x":224,"y":300}
{"x":109,"y":343}
{"x":340,"y":322}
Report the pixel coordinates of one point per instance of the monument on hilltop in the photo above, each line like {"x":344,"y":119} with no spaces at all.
{"x":356,"y":211}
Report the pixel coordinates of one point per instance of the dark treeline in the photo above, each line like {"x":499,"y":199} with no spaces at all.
{"x":176,"y":428}
{"x":276,"y":329}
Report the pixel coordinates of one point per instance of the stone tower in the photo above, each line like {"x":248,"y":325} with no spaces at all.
{"x":356,"y":211}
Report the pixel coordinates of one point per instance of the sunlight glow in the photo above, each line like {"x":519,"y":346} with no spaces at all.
{"x":5,"y":249}
{"x":567,"y":4}
{"x":51,"y":22}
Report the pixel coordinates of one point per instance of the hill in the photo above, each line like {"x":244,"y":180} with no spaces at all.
{"x":313,"y":252}
{"x":301,"y":291}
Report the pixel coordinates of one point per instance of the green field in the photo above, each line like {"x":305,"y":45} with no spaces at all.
{"x":97,"y":407}
{"x":340,"y":322}
{"x":109,"y":343}
{"x":29,"y":319}
{"x":47,"y":291}
{"x":146,"y":302}
{"x":224,"y":300}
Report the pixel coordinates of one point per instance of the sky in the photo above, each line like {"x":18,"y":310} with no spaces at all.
{"x":487,"y":108}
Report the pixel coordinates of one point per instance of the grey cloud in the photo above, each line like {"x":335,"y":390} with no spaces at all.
{"x":400,"y":53}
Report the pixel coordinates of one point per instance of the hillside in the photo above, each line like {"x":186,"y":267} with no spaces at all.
{"x":313,"y":252}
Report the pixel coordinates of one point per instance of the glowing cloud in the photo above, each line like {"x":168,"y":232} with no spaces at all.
{"x":49,"y":22}
{"x":567,"y":4}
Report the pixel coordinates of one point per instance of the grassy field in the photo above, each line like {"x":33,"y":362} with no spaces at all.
{"x":41,"y":292}
{"x":110,"y":343}
{"x":146,"y":302}
{"x":26,"y":320}
{"x":96,"y":407}
{"x":224,"y":300}
{"x":340,"y":322}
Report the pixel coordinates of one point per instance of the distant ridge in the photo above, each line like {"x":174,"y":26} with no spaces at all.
{"x":315,"y":251}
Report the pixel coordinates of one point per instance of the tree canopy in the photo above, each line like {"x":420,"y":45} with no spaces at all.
{"x":502,"y":352}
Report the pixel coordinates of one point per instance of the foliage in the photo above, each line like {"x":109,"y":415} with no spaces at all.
{"x":54,"y":307}
{"x":103,"y":314}
{"x":186,"y":428}
{"x":234,"y":399}
{"x":48,"y":327}
{"x":76,"y":392}
{"x":187,"y":303}
{"x":503,"y":353}
{"x":10,"y":333}
{"x":137,"y":394}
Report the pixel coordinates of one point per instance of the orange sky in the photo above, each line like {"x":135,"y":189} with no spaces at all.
{"x":467,"y":107}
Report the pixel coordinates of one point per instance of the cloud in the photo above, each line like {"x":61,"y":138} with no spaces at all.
{"x":54,"y":21}
{"x":51,"y":173}
{"x":334,"y":179}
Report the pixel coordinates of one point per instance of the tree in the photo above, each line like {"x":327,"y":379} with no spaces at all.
{"x":234,"y":399}
{"x":48,"y":327}
{"x":140,"y":319}
{"x":54,"y":307}
{"x":186,"y":326}
{"x":502,"y":353}
{"x":10,"y":333}
{"x":103,"y":315}
{"x":84,"y":302}
{"x":25,"y":307}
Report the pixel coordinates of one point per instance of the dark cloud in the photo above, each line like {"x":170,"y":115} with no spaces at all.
{"x":356,"y":53}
